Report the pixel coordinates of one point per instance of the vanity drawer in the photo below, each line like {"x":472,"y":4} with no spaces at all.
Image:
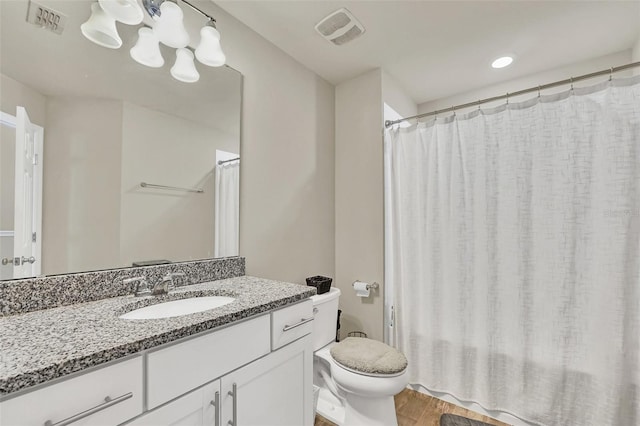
{"x":291,"y":323}
{"x":81,"y":400}
{"x":178,"y":369}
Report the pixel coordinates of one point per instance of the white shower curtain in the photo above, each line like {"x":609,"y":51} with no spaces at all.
{"x":227,"y":209}
{"x":514,"y":253}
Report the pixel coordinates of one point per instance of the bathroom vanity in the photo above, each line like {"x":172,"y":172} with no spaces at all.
{"x":245,"y":363}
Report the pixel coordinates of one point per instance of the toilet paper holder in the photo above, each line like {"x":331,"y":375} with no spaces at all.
{"x":373,"y":286}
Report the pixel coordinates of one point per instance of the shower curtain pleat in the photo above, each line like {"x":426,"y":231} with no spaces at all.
{"x":514,"y":239}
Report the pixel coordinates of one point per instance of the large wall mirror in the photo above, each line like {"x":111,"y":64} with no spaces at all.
{"x":107,"y":163}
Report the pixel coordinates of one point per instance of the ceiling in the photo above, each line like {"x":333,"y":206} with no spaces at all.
{"x":436,"y":49}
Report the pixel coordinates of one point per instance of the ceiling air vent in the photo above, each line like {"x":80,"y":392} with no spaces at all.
{"x":46,"y":17}
{"x":340,"y":27}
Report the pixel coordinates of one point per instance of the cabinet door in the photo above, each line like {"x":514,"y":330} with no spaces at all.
{"x":197,"y":408}
{"x":274,"y":390}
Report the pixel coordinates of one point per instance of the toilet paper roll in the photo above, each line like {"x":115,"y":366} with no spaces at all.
{"x":361,"y":289}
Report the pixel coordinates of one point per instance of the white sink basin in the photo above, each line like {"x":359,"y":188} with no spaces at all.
{"x":177,"y":308}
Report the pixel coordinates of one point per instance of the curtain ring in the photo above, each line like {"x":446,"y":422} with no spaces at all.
{"x":538,"y":90}
{"x":479,"y":103}
{"x":610,"y":73}
{"x":453,"y":108}
{"x":571,"y":79}
{"x":507,"y":98}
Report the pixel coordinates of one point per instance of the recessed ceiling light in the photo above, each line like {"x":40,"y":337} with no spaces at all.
{"x":502,"y":62}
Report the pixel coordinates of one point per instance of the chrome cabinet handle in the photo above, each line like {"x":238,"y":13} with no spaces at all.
{"x":234,"y":394}
{"x":31,"y":260}
{"x":298,"y":324}
{"x":216,"y":404}
{"x":108,"y":402}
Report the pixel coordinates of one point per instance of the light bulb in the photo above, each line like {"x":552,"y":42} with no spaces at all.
{"x":147,"y":50}
{"x":184,"y":69}
{"x":209,"y":51}
{"x":100,"y":28}
{"x":502,"y":62}
{"x":126,"y":11}
{"x":169,"y":27}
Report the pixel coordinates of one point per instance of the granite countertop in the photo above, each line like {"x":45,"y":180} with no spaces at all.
{"x":44,"y":345}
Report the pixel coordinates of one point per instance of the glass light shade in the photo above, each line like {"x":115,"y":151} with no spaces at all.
{"x":169,"y":27}
{"x":209,"y":51}
{"x":126,"y":11}
{"x":100,"y":28}
{"x":184,"y":69}
{"x":147,"y":49}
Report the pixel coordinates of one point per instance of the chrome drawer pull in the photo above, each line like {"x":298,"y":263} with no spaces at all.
{"x":216,"y":404}
{"x":234,"y":394}
{"x":302,"y":321}
{"x":108,"y":402}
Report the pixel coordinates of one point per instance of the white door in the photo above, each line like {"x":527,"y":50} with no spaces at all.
{"x":27,"y":245}
{"x":276,"y":390}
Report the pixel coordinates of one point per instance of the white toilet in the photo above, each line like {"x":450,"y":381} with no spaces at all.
{"x":348,"y":397}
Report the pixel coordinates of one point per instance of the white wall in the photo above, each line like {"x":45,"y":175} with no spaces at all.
{"x":81,"y":185}
{"x":561,"y":73}
{"x":287,"y":150}
{"x":394,"y":95}
{"x":359,"y":202}
{"x":360,"y":194}
{"x":16,"y":94}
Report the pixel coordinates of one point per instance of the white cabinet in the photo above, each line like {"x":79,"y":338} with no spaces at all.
{"x":107,"y":396}
{"x":179,"y":368}
{"x":197,"y":408}
{"x":275,"y":390}
{"x":291,"y":323}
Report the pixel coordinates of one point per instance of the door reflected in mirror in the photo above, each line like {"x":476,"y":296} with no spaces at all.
{"x":126,"y":164}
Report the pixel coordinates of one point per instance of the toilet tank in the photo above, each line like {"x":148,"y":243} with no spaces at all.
{"x":325,"y":311}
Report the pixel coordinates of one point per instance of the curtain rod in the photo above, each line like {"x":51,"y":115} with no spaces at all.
{"x":221,"y":162}
{"x":171,"y":188}
{"x":570,"y":80}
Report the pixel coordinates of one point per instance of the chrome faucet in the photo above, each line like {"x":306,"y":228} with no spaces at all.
{"x":142,"y":287}
{"x":167,"y":284}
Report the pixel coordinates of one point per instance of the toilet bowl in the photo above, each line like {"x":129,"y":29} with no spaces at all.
{"x":349,"y":397}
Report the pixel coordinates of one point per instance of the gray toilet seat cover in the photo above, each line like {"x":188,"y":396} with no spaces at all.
{"x":368,"y":356}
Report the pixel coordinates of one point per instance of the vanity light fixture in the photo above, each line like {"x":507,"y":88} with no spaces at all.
{"x":100,"y":28}
{"x":147,"y":49}
{"x":169,"y":26}
{"x":168,"y":29}
{"x":126,"y":11}
{"x":502,"y":62}
{"x":209,"y":52}
{"x":184,"y":69}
